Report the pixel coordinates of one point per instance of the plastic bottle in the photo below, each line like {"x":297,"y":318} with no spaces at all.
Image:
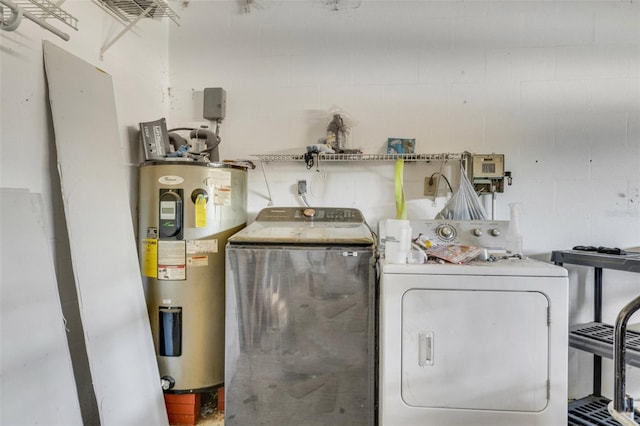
{"x":397,"y":241}
{"x":514,"y":237}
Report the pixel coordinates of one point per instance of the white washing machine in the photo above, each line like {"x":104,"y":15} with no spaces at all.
{"x":478,"y":344}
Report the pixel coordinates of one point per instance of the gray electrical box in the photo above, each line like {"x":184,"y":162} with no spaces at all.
{"x":215,"y":103}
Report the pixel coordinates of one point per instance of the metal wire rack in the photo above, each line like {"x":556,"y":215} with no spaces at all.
{"x":40,"y":11}
{"x":44,"y":9}
{"x":363,"y":157}
{"x":132,"y":9}
{"x":130,"y":12}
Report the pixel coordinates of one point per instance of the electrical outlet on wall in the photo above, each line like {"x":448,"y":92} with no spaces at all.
{"x":430,"y":186}
{"x":302,"y":187}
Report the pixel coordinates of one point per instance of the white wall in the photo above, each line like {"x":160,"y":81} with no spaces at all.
{"x":138,"y":63}
{"x":553,"y":85}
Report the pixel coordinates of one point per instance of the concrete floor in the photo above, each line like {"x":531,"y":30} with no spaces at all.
{"x":214,"y":419}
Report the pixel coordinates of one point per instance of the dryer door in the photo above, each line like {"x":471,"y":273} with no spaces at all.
{"x":475,"y":349}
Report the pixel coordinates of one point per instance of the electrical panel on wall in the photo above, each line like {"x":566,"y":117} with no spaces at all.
{"x":488,"y":174}
{"x":215,"y":103}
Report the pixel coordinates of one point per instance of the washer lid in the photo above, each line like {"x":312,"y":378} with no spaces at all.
{"x":295,"y":225}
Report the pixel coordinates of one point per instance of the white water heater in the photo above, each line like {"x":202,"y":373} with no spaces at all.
{"x":187,"y":210}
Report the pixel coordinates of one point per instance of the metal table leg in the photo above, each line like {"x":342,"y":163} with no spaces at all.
{"x":597,"y":317}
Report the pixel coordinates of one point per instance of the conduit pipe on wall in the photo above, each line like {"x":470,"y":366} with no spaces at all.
{"x":14,"y":21}
{"x":19,"y":12}
{"x":622,"y":403}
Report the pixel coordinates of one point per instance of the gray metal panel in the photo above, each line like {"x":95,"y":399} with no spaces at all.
{"x":103,"y":248}
{"x":300,"y":336}
{"x":214,"y":104}
{"x":629,"y":262}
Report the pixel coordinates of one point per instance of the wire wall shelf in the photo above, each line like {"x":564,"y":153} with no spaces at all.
{"x":362,"y":157}
{"x":127,"y":10}
{"x":44,"y":9}
{"x":130,"y":12}
{"x":38,"y":11}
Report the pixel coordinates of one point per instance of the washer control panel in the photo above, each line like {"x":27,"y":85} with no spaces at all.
{"x":310,"y":214}
{"x":490,"y":234}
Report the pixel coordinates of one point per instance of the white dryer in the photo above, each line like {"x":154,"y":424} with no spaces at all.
{"x":478,"y":344}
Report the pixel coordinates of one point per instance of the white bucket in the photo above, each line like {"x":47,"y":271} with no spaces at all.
{"x":397,"y":241}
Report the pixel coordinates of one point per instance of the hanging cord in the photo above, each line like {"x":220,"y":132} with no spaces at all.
{"x":303,"y":196}
{"x":266,"y":182}
{"x":443,"y":177}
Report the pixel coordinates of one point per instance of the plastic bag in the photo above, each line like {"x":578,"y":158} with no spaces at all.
{"x":454,"y":253}
{"x":463,"y":204}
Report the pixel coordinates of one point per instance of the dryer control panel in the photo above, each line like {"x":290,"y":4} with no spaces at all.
{"x":490,"y":234}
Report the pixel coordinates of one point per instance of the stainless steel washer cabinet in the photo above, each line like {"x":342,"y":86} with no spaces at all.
{"x":477,"y":344}
{"x":300,"y":320}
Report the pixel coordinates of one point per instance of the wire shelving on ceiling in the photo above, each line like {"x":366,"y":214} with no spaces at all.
{"x":38,"y":11}
{"x":130,"y":12}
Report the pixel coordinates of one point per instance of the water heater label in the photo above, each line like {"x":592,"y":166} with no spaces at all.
{"x":152,"y":232}
{"x":219,"y":182}
{"x":172,"y":272}
{"x":172,"y":260}
{"x":202,"y":246}
{"x":170,"y":180}
{"x":222,"y":196}
{"x":171,"y":252}
{"x":199,"y":260}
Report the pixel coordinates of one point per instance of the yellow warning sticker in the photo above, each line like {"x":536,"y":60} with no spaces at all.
{"x":149,"y":257}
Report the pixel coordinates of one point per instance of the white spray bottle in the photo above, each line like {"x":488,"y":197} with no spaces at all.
{"x":514,"y":237}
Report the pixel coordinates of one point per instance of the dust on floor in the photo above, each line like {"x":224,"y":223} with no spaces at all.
{"x":209,"y":414}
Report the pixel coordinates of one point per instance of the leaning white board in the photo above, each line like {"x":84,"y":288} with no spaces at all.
{"x":103,"y":250}
{"x":37,"y":385}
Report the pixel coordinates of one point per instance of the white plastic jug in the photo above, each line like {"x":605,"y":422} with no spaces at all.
{"x":397,"y":240}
